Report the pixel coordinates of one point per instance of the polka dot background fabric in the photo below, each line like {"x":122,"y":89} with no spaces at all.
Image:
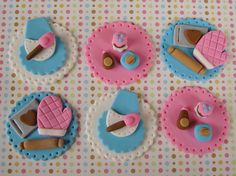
{"x":81,"y":89}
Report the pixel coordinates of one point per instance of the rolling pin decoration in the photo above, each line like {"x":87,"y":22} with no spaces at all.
{"x":41,"y":144}
{"x":45,"y":41}
{"x":187,"y":60}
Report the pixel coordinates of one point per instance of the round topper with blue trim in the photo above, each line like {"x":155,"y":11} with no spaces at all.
{"x":173,"y":64}
{"x":35,"y":28}
{"x":47,"y":154}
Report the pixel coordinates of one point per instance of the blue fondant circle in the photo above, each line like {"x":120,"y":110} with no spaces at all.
{"x":174,"y":65}
{"x":49,"y":66}
{"x":14,"y":139}
{"x":119,"y":144}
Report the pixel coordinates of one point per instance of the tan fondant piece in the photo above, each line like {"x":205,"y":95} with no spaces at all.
{"x":41,"y":144}
{"x":130,"y":60}
{"x":29,"y":118}
{"x":193,"y":36}
{"x":204,"y":131}
{"x":188,"y":61}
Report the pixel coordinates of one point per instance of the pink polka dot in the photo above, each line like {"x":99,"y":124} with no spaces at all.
{"x":37,"y":171}
{"x":106,"y":171}
{"x":119,"y":171}
{"x":146,"y":170}
{"x":23,"y":171}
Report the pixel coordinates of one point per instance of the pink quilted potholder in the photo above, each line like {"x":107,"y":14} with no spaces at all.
{"x":52,"y":119}
{"x":210,"y":50}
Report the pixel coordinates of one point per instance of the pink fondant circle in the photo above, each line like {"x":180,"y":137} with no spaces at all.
{"x":101,"y":41}
{"x":189,"y":97}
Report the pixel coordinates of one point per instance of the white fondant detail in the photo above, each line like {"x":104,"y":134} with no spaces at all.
{"x":113,"y":117}
{"x":51,"y":132}
{"x":72,"y":56}
{"x":103,"y":104}
{"x":45,"y":54}
{"x":120,"y":49}
{"x":198,"y":55}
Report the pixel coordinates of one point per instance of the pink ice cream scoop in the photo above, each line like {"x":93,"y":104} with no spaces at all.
{"x":210,"y":50}
{"x":45,"y":41}
{"x":119,"y":41}
{"x":203,"y":109}
{"x":129,"y":120}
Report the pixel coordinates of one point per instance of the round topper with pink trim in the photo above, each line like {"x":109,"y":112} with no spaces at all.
{"x":101,"y":40}
{"x":185,"y":140}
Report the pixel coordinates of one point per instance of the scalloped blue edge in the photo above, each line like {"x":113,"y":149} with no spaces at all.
{"x":174,"y":65}
{"x":119,"y":144}
{"x":14,"y":139}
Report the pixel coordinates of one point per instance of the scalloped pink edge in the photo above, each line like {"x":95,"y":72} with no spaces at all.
{"x":184,"y":139}
{"x":100,"y":41}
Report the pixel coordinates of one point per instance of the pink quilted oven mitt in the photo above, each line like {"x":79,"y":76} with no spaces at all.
{"x":52,"y":119}
{"x":210,"y":50}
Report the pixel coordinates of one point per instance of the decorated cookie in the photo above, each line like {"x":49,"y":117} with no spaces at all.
{"x":129,"y":60}
{"x":115,"y":126}
{"x":119,"y":41}
{"x":177,"y":45}
{"x":203,"y":132}
{"x":25,"y":121}
{"x":53,"y":117}
{"x":203,"y":109}
{"x":128,"y":43}
{"x":210,"y":50}
{"x":188,"y":35}
{"x":43,"y":52}
{"x":53,"y":120}
{"x":192,"y":134}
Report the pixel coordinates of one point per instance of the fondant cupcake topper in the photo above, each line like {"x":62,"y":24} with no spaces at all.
{"x":56,"y":126}
{"x":203,"y":109}
{"x":119,"y":42}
